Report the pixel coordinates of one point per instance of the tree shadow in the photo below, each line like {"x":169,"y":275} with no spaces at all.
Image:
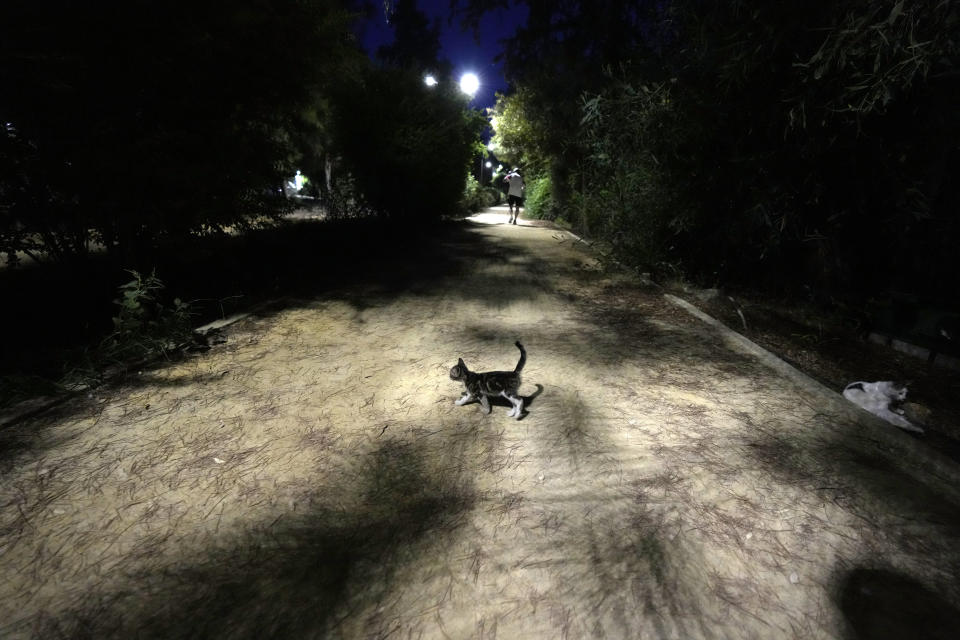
{"x":301,"y":575}
{"x":23,"y":432}
{"x":880,"y":604}
{"x":64,"y":311}
{"x":621,"y":575}
{"x":848,"y":472}
{"x":32,"y":421}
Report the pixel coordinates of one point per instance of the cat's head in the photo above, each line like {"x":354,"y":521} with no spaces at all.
{"x":896,"y":391}
{"x":458,"y":371}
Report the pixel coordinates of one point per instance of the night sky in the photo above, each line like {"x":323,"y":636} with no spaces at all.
{"x":458,"y":46}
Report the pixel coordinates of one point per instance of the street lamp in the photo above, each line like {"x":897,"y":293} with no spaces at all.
{"x":488,"y":165}
{"x":430,"y":81}
{"x":469,"y":83}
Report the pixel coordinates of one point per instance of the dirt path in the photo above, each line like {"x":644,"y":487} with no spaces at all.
{"x":313,"y":478}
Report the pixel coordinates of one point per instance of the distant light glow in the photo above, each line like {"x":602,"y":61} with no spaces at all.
{"x":469,"y":84}
{"x":430,"y":81}
{"x":489,"y":164}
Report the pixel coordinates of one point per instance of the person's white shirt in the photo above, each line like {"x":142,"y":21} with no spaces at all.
{"x":516,"y":184}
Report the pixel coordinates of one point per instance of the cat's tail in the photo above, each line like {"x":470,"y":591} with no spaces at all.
{"x":523,"y":357}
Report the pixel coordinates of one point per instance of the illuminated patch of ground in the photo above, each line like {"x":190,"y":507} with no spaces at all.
{"x":313,"y":478}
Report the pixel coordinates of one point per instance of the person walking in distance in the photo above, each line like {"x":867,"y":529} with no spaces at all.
{"x":515,"y":194}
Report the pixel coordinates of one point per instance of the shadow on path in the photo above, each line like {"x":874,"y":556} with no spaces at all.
{"x":879,"y":604}
{"x":300,"y":576}
{"x":63,"y":312}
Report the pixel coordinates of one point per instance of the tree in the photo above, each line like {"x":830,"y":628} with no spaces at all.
{"x":139,"y":119}
{"x":560,"y":54}
{"x":407,"y":146}
{"x":416,"y":42}
{"x":766,"y":143}
{"x":822,"y":151}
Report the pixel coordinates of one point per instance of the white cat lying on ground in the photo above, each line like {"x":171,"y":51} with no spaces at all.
{"x":876,"y":397}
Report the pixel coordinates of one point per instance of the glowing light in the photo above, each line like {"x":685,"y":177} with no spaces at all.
{"x":430,"y":81}
{"x":469,"y":84}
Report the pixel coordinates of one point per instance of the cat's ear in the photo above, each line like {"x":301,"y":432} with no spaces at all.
{"x":460,"y":362}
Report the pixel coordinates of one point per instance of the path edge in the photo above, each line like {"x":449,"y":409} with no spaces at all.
{"x":914,"y":455}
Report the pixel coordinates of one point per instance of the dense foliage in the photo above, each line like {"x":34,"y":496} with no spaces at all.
{"x":405,"y":146}
{"x":125,"y":123}
{"x":135,"y":119}
{"x":798,"y":144}
{"x":784,"y":144}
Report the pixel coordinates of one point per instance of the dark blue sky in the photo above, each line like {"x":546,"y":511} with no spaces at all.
{"x":458,"y":46}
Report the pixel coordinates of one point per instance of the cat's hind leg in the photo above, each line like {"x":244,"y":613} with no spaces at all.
{"x":517,"y":402}
{"x":514,"y":409}
{"x":519,"y":413}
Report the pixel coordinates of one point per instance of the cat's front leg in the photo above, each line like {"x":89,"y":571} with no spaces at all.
{"x":485,"y":403}
{"x":464,"y":399}
{"x":900,"y":421}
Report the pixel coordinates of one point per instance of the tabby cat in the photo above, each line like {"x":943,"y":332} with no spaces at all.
{"x":877,"y":397}
{"x":481,"y":386}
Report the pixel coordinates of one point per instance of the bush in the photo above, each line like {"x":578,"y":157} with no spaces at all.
{"x":144,"y":325}
{"x":492,"y":196}
{"x":538,"y":200}
{"x":472,"y":200}
{"x":342,"y":201}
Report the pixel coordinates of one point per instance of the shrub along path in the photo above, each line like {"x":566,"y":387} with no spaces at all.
{"x":311,"y":477}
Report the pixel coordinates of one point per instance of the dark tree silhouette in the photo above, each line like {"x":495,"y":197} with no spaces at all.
{"x":139,"y":119}
{"x":416,"y":42}
{"x":772,"y":144}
